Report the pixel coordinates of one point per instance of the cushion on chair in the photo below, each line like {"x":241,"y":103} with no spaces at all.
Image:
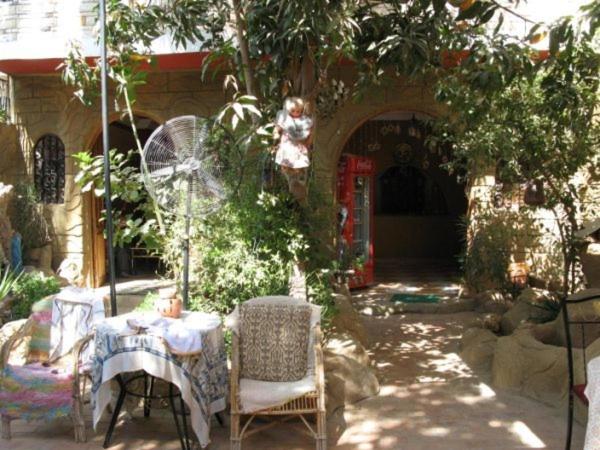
{"x":274,"y":341}
{"x":35,"y":392}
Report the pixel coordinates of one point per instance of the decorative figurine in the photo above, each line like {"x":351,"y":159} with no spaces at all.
{"x":16,"y":254}
{"x":168,"y":303}
{"x":295,"y":128}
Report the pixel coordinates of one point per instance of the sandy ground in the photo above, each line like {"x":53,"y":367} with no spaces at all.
{"x":429,"y":399}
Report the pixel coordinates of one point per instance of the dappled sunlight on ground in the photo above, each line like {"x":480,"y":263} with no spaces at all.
{"x":431,"y":399}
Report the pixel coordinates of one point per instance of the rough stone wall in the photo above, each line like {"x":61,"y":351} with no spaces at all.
{"x":42,"y":104}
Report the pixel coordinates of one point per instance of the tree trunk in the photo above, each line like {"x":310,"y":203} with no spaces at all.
{"x":240,"y":28}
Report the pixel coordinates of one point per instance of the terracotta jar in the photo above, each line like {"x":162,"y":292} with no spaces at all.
{"x":168,"y":303}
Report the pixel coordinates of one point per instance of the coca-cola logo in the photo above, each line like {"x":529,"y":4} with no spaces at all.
{"x":364,"y":164}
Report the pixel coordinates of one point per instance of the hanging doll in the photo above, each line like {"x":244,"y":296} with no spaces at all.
{"x":295,"y":128}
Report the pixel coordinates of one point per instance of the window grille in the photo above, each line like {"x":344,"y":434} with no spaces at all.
{"x":50,"y":169}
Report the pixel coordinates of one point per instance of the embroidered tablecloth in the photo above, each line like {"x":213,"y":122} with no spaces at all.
{"x":201,"y":378}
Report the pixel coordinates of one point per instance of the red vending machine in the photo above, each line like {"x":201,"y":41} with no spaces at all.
{"x":355,"y":196}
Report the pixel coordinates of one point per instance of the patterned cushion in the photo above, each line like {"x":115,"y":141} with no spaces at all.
{"x":41,"y":314}
{"x":274,"y":340}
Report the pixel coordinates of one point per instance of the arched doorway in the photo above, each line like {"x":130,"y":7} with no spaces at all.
{"x":122,"y":139}
{"x":417,"y":203}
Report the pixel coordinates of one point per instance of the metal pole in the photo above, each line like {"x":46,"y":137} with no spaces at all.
{"x":186,"y":245}
{"x":105,"y":149}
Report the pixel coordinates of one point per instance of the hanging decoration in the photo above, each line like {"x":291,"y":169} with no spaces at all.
{"x":534,"y":193}
{"x":414,"y":129}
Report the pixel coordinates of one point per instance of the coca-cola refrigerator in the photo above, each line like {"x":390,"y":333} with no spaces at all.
{"x":355,"y":188}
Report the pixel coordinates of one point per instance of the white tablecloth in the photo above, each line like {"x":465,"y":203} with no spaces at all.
{"x":201,"y":378}
{"x":74,"y":313}
{"x":592,"y":392}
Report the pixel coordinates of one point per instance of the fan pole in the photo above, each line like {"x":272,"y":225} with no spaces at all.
{"x":186,"y":244}
{"x":105,"y":149}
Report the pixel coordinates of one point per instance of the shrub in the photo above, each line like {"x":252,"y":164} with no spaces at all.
{"x":30,"y":288}
{"x":494,"y":238}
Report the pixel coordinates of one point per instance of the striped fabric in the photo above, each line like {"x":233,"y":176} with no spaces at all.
{"x":39,"y":346}
{"x":35,"y":392}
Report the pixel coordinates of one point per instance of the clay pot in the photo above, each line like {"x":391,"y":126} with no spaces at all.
{"x":168,"y":304}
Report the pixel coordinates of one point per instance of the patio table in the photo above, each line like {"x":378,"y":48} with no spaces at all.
{"x":201,"y":378}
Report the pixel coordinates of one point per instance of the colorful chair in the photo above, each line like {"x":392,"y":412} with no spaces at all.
{"x":41,"y":389}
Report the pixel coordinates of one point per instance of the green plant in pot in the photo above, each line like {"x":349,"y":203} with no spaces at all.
{"x":8,"y":281}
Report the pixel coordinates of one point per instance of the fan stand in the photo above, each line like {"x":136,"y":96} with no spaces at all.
{"x":186,"y":244}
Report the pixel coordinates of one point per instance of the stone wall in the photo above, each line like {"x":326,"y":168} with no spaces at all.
{"x":42,"y":104}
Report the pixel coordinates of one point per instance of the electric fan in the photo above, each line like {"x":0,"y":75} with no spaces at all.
{"x":183,"y":176}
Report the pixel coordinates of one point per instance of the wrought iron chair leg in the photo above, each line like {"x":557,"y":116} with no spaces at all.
{"x":118,"y":406}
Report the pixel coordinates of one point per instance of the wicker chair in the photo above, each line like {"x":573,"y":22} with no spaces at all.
{"x":311,"y":398}
{"x":57,"y":386}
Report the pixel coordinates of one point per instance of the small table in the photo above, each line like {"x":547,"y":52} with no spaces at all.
{"x":201,"y":378}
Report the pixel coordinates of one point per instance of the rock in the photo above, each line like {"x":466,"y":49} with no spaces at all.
{"x":18,"y":355}
{"x":345,"y":344}
{"x":477,"y":349}
{"x":532,"y":368}
{"x":517,"y":315}
{"x":533,"y":305}
{"x":347,"y":318}
{"x":585,"y":311}
{"x":535,"y":296}
{"x":493,"y":302}
{"x":590,"y":262}
{"x":41,"y":258}
{"x":347,"y":381}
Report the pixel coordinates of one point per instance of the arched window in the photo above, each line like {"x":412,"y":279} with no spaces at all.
{"x":49,"y":172}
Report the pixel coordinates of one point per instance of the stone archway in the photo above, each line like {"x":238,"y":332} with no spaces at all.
{"x":417,"y":203}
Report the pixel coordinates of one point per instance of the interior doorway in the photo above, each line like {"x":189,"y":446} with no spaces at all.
{"x":418,"y":205}
{"x":130,"y":260}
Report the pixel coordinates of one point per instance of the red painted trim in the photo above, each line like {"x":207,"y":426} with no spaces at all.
{"x":166,"y":62}
{"x":184,"y":61}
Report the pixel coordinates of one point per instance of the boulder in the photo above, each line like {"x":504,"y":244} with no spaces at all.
{"x":347,"y":381}
{"x":532,"y":368}
{"x":517,"y":315}
{"x":590,"y":262}
{"x":347,"y":318}
{"x":585,"y":311}
{"x":19,"y":353}
{"x":41,"y":258}
{"x":477,"y":349}
{"x":345,"y":344}
{"x":533,"y":305}
{"x":493,"y":301}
